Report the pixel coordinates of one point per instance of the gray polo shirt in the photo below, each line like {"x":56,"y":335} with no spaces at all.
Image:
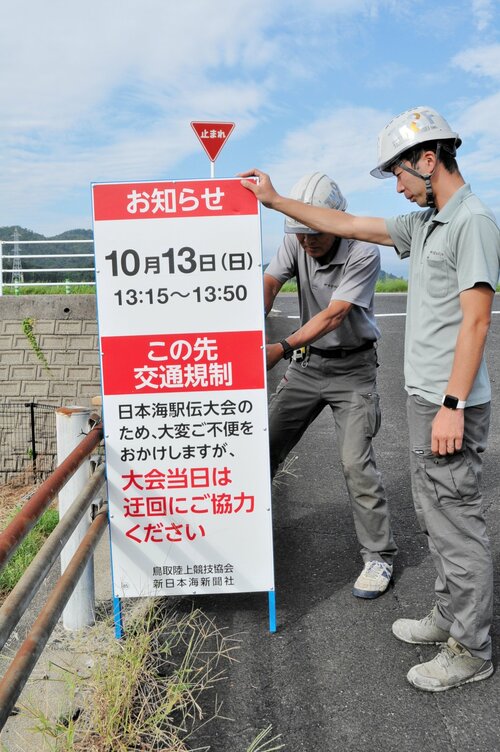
{"x":450,"y":251}
{"x":350,"y":275}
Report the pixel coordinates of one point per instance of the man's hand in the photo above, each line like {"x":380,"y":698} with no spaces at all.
{"x":274,"y":353}
{"x":447,"y":431}
{"x":264,"y":189}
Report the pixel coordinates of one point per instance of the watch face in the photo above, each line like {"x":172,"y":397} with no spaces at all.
{"x":450,"y":401}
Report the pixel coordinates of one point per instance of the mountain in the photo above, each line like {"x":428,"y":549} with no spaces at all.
{"x":384,"y":276}
{"x":8,"y":234}
{"x":13,"y":233}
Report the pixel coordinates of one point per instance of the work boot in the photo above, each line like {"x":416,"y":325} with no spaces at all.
{"x":420,"y":631}
{"x":453,"y":665}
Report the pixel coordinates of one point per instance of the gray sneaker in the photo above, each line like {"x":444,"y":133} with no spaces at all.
{"x":420,"y":631}
{"x":451,"y":667}
{"x":373,"y":580}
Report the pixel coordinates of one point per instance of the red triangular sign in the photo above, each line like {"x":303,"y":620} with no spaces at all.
{"x":212,"y":136}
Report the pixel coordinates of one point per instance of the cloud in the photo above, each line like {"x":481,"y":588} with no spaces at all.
{"x":479,"y":156}
{"x":483,"y":12}
{"x":342,"y":143}
{"x":105,"y":90}
{"x":70,"y":59}
{"x":481,"y":61}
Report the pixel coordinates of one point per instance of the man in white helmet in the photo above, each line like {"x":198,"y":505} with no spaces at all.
{"x":336,"y":283}
{"x":454,"y":251}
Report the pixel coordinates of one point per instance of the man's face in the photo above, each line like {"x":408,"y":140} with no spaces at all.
{"x":412,"y":186}
{"x":316,"y":246}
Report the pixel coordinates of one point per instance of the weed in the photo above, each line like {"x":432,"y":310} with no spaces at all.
{"x":28,"y":329}
{"x":286,"y":471}
{"x":261,"y":744}
{"x":151,"y":691}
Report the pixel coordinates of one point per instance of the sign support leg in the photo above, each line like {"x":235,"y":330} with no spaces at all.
{"x":272,"y":610}
{"x":118,"y":617}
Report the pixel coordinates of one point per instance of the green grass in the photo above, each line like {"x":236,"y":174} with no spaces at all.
{"x":59,"y":289}
{"x":15,"y":568}
{"x":392,"y":285}
{"x":153,"y":690}
{"x":388,"y":285}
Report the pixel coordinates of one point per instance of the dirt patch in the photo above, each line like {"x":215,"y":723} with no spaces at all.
{"x":12,"y":496}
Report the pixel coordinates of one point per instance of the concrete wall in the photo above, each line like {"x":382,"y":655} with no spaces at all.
{"x":65,"y":328}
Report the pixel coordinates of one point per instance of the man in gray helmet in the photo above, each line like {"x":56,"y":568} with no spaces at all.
{"x":454,"y":251}
{"x":336,"y":283}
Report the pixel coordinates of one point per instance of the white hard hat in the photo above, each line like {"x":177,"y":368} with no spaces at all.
{"x":316,"y":189}
{"x":407,"y":130}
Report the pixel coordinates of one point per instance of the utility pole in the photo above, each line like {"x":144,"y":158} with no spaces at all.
{"x":17,"y":269}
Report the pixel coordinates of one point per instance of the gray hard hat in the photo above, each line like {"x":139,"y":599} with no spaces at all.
{"x":316,"y":189}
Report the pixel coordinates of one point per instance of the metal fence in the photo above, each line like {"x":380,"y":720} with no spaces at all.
{"x":74,"y":540}
{"x":29,"y":270}
{"x":27,"y":440}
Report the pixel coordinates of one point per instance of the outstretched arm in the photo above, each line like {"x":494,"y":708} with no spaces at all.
{"x":339,"y":223}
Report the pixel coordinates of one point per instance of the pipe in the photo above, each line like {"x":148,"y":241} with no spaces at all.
{"x":28,"y":654}
{"x":18,"y":600}
{"x":26,"y":519}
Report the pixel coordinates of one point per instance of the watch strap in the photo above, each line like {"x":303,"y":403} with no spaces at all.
{"x":287,"y":349}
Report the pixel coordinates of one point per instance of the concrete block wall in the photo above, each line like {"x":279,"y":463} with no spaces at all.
{"x":65,"y":327}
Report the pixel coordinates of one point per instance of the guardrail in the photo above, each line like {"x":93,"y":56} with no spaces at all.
{"x":73,"y":571}
{"x":67,"y":283}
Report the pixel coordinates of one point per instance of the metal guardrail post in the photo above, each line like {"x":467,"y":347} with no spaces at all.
{"x":71,"y":424}
{"x":25,"y":520}
{"x":21,"y":667}
{"x":22,"y":594}
{"x":31,"y":406}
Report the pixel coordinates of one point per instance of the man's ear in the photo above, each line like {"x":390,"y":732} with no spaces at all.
{"x":428,"y":159}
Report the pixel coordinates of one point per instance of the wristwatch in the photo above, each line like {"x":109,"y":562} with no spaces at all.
{"x":287,"y":349}
{"x":453,"y":402}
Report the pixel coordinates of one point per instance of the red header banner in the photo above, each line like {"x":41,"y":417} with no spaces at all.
{"x":169,"y":363}
{"x":195,"y":198}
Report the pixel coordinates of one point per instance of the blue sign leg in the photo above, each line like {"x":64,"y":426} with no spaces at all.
{"x":272,"y":611}
{"x":118,"y":617}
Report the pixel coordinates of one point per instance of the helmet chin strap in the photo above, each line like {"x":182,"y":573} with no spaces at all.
{"x":426,"y":178}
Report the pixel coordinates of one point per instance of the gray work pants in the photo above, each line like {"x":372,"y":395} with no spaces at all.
{"x":348,"y":386}
{"x":449,"y":508}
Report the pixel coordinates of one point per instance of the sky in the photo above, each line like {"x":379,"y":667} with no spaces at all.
{"x":105,"y":90}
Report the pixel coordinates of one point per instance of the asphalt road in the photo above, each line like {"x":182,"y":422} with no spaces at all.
{"x":333,"y":678}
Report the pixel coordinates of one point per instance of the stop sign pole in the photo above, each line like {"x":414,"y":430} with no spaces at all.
{"x":212,"y":136}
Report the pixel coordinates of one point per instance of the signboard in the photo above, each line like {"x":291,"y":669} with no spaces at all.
{"x":212,"y":136}
{"x":181,"y":321}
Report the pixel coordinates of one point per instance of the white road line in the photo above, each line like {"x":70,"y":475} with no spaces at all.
{"x":377,"y":315}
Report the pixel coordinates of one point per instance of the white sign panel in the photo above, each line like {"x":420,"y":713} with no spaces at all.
{"x":181,"y":322}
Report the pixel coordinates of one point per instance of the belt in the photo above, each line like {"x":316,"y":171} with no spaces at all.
{"x":339,"y":352}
